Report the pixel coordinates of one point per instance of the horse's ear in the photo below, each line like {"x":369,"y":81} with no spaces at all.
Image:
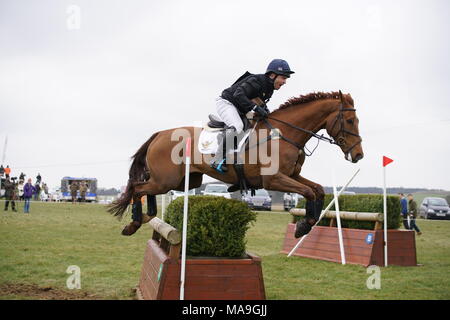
{"x":341,"y":96}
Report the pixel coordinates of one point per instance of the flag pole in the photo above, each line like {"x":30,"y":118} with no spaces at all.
{"x":185,"y":218}
{"x":385,"y":217}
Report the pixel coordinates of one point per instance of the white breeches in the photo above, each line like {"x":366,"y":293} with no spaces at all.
{"x":229,"y":114}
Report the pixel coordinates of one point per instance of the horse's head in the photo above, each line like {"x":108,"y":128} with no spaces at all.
{"x":342,"y":125}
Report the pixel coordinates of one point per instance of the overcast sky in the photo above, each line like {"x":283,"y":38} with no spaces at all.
{"x":80,"y":94}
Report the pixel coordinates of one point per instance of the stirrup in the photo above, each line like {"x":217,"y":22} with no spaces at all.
{"x":220,"y":167}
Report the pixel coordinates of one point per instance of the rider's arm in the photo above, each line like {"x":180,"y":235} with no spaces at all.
{"x":244,"y":92}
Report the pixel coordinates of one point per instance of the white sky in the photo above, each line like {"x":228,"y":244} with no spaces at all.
{"x":81,"y":102}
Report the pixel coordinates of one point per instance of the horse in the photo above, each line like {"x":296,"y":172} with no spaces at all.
{"x":154,"y":172}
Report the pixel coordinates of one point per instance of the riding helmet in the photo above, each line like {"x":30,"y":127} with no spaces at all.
{"x":280,"y":67}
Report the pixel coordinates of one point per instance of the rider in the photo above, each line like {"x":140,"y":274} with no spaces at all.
{"x":235,"y":102}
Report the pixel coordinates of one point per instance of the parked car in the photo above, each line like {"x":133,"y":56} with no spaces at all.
{"x":434,"y":208}
{"x":220,"y":190}
{"x":176,"y":194}
{"x":261,"y":200}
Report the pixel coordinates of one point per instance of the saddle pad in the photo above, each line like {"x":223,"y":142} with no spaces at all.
{"x":208,"y":144}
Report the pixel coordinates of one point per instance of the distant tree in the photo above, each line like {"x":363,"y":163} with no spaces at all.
{"x":107,"y":192}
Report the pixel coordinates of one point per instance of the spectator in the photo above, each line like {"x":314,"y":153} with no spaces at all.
{"x":404,"y":212}
{"x":7,"y":171}
{"x":38,"y":178}
{"x":10,"y":190}
{"x":73,"y":191}
{"x":2,"y":170}
{"x":37,"y":187}
{"x":45,"y":187}
{"x":22,"y":177}
{"x":83,"y":190}
{"x":413,"y":214}
{"x":20,"y":187}
{"x":28,"y":191}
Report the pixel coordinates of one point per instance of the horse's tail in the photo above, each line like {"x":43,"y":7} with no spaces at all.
{"x":138,"y":173}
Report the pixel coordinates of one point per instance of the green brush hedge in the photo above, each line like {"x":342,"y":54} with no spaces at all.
{"x":361,"y":203}
{"x":216,"y":226}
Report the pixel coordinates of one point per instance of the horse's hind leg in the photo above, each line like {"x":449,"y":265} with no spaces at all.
{"x":151,"y":189}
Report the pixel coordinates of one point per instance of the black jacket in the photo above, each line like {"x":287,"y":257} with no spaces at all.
{"x":247,"y":87}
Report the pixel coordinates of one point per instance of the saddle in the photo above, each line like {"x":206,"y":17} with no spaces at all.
{"x":216,"y":123}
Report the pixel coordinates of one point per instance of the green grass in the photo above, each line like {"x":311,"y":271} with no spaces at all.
{"x":37,"y":249}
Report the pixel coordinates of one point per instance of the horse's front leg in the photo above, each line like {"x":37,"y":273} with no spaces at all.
{"x":317,"y":188}
{"x":313,"y":207}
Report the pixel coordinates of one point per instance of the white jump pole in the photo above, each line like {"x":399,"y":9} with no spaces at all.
{"x":338,"y":220}
{"x":324,"y":212}
{"x":185,"y":218}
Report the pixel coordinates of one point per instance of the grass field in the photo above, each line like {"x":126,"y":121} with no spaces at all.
{"x":37,"y":249}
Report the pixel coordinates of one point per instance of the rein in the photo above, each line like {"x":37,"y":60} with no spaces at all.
{"x":340,"y":141}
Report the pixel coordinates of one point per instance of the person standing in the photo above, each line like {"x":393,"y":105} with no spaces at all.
{"x":28,"y":191}
{"x":38,"y":178}
{"x":413,"y":214}
{"x":37,"y":188}
{"x":73,"y":191}
{"x":83,"y":190}
{"x":10,"y":190}
{"x":2,"y":170}
{"x":20,"y":187}
{"x":404,"y":210}
{"x":7,"y":171}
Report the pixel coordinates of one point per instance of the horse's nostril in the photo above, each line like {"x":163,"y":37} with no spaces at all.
{"x":358,"y":157}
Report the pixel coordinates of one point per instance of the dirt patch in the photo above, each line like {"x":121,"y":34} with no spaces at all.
{"x":35,"y":292}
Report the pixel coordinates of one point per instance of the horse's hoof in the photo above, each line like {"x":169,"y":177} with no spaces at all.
{"x":302,"y":228}
{"x":131,"y":228}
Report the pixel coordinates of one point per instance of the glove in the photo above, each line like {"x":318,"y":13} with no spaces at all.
{"x":263,"y":112}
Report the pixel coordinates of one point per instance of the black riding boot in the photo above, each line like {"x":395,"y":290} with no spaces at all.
{"x":313,"y":211}
{"x":218,"y":162}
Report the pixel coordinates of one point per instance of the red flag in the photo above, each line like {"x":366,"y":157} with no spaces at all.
{"x":386,"y":161}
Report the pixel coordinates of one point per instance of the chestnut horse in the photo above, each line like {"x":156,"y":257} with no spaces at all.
{"x":153,"y":170}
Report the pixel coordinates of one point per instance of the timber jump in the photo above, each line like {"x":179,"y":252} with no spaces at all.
{"x":207,"y":278}
{"x":363,"y":247}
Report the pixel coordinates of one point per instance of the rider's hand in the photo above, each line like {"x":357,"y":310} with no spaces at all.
{"x":261,"y":111}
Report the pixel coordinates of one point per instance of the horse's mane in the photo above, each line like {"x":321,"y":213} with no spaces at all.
{"x":313,"y":97}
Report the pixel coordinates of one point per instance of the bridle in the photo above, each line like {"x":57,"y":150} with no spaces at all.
{"x":340,"y":140}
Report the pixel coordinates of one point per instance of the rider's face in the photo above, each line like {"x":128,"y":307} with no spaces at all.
{"x":279,"y":81}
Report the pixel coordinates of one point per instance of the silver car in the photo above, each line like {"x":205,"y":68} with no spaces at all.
{"x":261,"y":200}
{"x":434,"y":208}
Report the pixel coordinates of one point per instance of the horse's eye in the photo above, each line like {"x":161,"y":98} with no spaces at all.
{"x":350,"y":121}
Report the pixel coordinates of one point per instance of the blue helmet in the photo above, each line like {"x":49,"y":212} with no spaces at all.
{"x":280,"y":67}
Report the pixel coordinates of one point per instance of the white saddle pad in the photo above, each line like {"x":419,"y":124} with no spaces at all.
{"x":208,"y":144}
